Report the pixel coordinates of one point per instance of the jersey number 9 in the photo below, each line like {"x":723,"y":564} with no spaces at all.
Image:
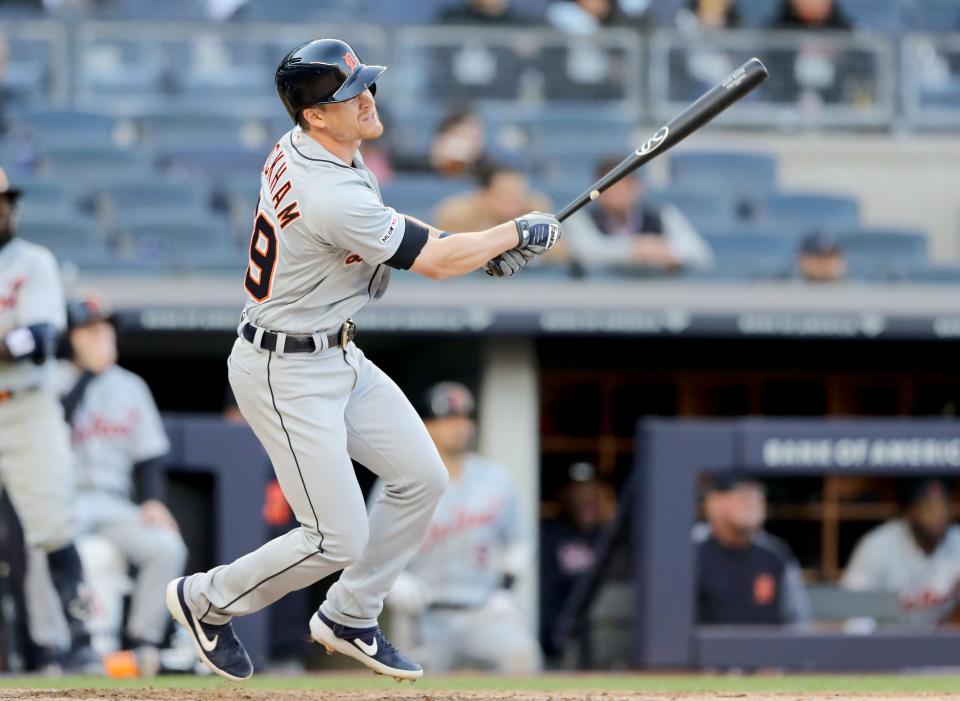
{"x":263,"y":259}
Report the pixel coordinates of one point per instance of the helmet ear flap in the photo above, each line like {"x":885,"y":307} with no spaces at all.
{"x":373,"y":88}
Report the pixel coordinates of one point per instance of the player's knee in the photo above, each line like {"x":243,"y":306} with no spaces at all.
{"x":435,"y":481}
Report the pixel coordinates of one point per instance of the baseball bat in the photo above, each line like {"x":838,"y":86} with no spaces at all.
{"x":716,"y":100}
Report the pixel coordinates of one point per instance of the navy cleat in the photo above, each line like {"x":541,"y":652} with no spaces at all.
{"x":218,"y":647}
{"x":367,"y":645}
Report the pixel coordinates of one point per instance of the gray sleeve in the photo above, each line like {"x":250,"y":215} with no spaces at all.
{"x":149,"y":439}
{"x":353,"y":218}
{"x":795,"y":603}
{"x":864,"y":572}
{"x":41,"y":301}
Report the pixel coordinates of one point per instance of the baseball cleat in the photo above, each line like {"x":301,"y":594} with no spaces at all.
{"x":218,"y":647}
{"x":369,"y":646}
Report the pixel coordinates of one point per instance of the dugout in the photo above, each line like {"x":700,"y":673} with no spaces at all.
{"x":670,"y":457}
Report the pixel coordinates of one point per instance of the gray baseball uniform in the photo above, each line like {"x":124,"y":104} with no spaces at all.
{"x":35,"y":461}
{"x":470,"y":621}
{"x":321,"y":239}
{"x":115,"y":426}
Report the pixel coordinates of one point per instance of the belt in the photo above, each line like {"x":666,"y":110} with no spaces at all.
{"x":300,"y":344}
{"x":451,"y":606}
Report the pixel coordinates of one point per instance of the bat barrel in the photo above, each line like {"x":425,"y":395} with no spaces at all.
{"x":716,"y":100}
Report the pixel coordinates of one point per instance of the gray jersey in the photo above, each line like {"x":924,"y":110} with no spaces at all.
{"x":475,"y":522}
{"x":30,"y":293}
{"x":888,"y":559}
{"x":321,"y":236}
{"x":116,"y":425}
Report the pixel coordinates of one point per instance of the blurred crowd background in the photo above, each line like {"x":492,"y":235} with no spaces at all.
{"x":136,"y":130}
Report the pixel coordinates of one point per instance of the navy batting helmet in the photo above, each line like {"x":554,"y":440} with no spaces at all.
{"x":89,"y":310}
{"x":320,"y":72}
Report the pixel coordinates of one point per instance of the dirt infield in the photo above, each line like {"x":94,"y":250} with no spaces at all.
{"x":231,"y":694}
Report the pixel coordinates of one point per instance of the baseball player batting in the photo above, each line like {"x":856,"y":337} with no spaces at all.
{"x":322,"y":247}
{"x":35,"y":459}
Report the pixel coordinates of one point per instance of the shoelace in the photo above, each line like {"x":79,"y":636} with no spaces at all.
{"x":387,"y":644}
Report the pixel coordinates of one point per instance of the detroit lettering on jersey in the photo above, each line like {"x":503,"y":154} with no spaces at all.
{"x":462,"y":520}
{"x":9,"y":296}
{"x":101,"y":426}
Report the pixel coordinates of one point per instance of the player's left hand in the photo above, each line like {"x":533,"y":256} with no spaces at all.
{"x":538,"y":232}
{"x":508,"y":263}
{"x":155,"y":513}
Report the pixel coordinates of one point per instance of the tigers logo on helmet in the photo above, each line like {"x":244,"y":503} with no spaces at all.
{"x":351,"y":61}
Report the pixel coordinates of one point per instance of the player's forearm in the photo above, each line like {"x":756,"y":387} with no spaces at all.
{"x":451,"y":256}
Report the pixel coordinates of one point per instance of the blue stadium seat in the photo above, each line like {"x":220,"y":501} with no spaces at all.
{"x":741,"y":173}
{"x":91,"y":164}
{"x":703,"y":209}
{"x":883,"y":251}
{"x":873,"y":14}
{"x":934,"y":275}
{"x":144,"y":11}
{"x":183,"y":128}
{"x":800,"y":212}
{"x":298,"y":10}
{"x":71,"y":238}
{"x":121,"y":201}
{"x":758,"y":13}
{"x":53,"y":128}
{"x":216,"y":163}
{"x":46,"y":193}
{"x":419,"y":195}
{"x":748,"y":255}
{"x":391,"y":12}
{"x":938,"y":15}
{"x":177,"y":241}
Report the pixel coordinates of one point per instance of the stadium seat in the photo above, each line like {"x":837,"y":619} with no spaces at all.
{"x":419,"y":195}
{"x":934,"y":275}
{"x":873,"y":14}
{"x":214,"y":162}
{"x":703,"y":209}
{"x":298,"y":10}
{"x":799,"y":213}
{"x":55,"y":128}
{"x":938,"y":15}
{"x":874,"y":252}
{"x":45,"y":193}
{"x":177,"y":241}
{"x":144,"y":11}
{"x":81,"y":163}
{"x":71,"y":238}
{"x":747,"y":255}
{"x":121,"y":201}
{"x":182,"y":128}
{"x":740,"y":173}
{"x":758,"y":13}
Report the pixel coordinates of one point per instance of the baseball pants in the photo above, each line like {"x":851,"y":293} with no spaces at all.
{"x":313,"y":413}
{"x":36,"y":468}
{"x":158,"y":554}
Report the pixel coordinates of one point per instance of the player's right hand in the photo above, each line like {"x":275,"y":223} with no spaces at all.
{"x":508,"y":263}
{"x":538,"y":232}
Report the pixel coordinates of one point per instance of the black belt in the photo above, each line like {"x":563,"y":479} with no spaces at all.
{"x":300,"y":344}
{"x":451,"y":606}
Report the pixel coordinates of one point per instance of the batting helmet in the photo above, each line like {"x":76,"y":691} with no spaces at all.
{"x":446,"y":399}
{"x":320,"y":72}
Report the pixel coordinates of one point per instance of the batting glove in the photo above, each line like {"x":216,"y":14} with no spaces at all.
{"x":537,"y":232}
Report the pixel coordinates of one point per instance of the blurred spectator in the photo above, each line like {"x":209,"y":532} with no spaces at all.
{"x":917,"y":555}
{"x":568,"y":544}
{"x":744,"y":575}
{"x":488,"y":12}
{"x":820,"y":258}
{"x":622,"y":231}
{"x":811,"y":14}
{"x":502,"y":193}
{"x":708,"y":15}
{"x":587,"y":16}
{"x":459,"y":144}
{"x":457,"y":589}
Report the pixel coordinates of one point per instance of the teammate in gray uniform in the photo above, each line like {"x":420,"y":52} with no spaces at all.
{"x":322,"y":247}
{"x":458,"y":587}
{"x":119,"y":440}
{"x":35,"y":460}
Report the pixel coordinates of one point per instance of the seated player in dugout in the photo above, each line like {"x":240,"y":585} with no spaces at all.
{"x":457,"y":592}
{"x":119,"y":447}
{"x":323,"y":244}
{"x":744,"y":575}
{"x":624,"y":231}
{"x":916,"y":555}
